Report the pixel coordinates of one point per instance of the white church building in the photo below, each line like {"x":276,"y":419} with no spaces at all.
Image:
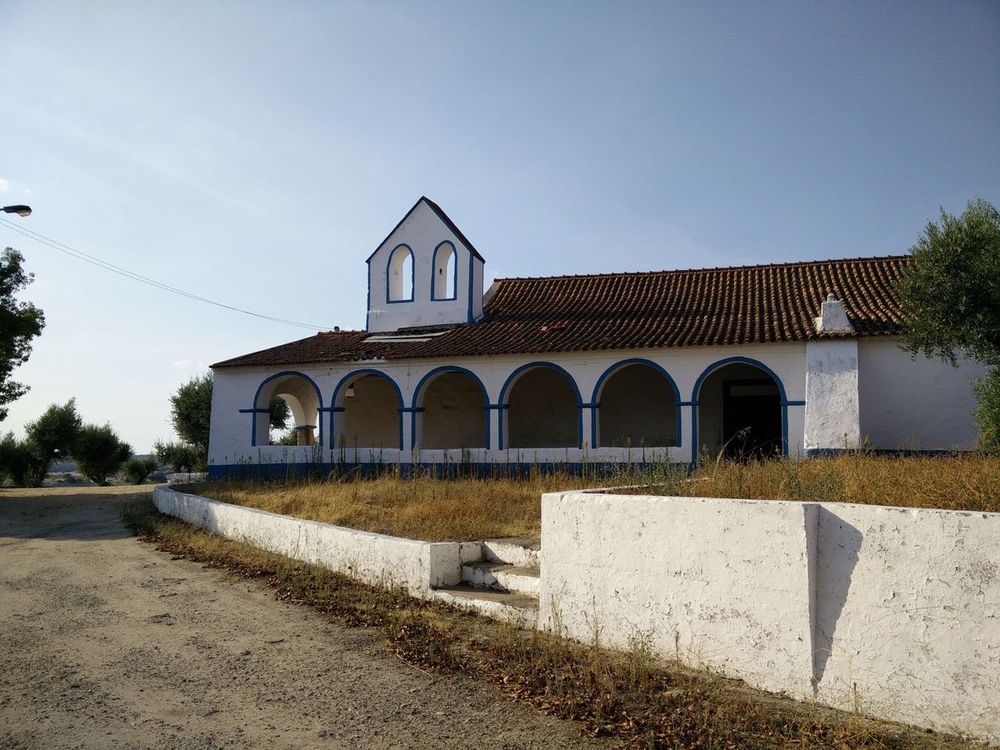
{"x":779,"y":359}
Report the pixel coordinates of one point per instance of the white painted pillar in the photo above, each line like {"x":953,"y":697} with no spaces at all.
{"x":832,"y":416}
{"x":587,"y":423}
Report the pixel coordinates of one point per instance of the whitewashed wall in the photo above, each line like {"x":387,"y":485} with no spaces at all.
{"x":892,"y":611}
{"x":373,"y":558}
{"x":923,"y":404}
{"x":422,"y":231}
{"x":235,"y":388}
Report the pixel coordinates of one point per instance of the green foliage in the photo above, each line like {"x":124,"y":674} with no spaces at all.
{"x":289,"y":438}
{"x":56,"y":430}
{"x":180,"y":456}
{"x":279,"y":413}
{"x":20,"y":322}
{"x":988,"y":411}
{"x":950,"y":293}
{"x":99,"y":453}
{"x":191,"y":411}
{"x":951,"y":301}
{"x":21,"y":463}
{"x":136,"y":470}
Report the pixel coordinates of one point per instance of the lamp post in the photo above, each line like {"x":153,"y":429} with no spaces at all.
{"x":19,"y":210}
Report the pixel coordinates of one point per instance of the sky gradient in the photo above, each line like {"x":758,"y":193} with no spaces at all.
{"x":256,"y":153}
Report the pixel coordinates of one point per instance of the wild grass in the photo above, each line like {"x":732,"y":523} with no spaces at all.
{"x":631,"y":696}
{"x":469,"y":508}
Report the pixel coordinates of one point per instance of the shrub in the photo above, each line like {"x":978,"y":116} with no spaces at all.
{"x":99,"y":453}
{"x":180,"y":456}
{"x":988,"y":411}
{"x":137,"y":469}
{"x":21,"y":462}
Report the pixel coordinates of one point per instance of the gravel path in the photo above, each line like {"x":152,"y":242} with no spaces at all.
{"x":107,"y":643}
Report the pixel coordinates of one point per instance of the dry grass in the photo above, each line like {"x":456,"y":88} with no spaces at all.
{"x":630,"y":696}
{"x":464,"y":509}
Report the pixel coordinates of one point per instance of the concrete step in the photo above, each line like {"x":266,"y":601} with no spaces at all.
{"x":517,"y":609}
{"x":523,"y":553}
{"x":502,"y":577}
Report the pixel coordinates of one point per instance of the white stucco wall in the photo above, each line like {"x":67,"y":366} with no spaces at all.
{"x":894,"y":611}
{"x":235,"y":388}
{"x":422,"y":231}
{"x":922,"y":404}
{"x":373,"y":558}
{"x":832,"y":419}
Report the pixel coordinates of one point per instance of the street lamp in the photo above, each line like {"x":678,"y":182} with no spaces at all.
{"x":19,"y":210}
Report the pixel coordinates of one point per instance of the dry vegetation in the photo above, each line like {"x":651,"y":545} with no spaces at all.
{"x":631,"y":696}
{"x":463,"y":509}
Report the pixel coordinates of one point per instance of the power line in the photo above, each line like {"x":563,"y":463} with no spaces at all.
{"x":95,"y":261}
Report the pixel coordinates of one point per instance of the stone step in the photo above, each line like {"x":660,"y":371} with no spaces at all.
{"x":502,"y":577}
{"x":521,"y":552}
{"x":517,"y":609}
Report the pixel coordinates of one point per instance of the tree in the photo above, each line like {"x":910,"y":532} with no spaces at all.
{"x":950,"y":295}
{"x":179,"y":456}
{"x":137,"y":469}
{"x":55,"y":431}
{"x":99,"y":453}
{"x":191,"y":412}
{"x":20,"y":322}
{"x":19,"y":461}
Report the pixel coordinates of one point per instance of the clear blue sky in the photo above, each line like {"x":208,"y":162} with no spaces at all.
{"x":257,"y":152}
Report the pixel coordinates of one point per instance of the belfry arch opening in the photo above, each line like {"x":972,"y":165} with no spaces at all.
{"x":303,"y":400}
{"x":638,"y":407}
{"x":400,"y":275}
{"x":454,"y":412}
{"x":740,"y":412}
{"x":445,"y":264}
{"x":367,"y":412}
{"x":543,"y":410}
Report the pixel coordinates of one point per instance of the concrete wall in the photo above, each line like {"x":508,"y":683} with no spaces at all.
{"x":372,"y":558}
{"x":235,"y":388}
{"x":422,"y":231}
{"x":892,"y":611}
{"x":923,"y":404}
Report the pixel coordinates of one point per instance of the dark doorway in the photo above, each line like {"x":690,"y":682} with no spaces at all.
{"x":751,"y":418}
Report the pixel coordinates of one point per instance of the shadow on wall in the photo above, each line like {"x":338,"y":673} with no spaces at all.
{"x":833,"y":555}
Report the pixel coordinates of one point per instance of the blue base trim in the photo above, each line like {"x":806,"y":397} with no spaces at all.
{"x":881,"y":452}
{"x":438,"y":470}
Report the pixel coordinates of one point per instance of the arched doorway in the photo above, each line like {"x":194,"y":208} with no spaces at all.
{"x":367,"y":409}
{"x":303,"y":400}
{"x":454,"y":410}
{"x":542,"y":408}
{"x":740,"y":410}
{"x":638,"y":406}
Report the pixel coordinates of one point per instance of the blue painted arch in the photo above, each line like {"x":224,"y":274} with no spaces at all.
{"x":337,"y":400}
{"x":785,"y":403}
{"x":257,"y":408}
{"x":617,"y":367}
{"x":418,"y":396}
{"x":513,"y":378}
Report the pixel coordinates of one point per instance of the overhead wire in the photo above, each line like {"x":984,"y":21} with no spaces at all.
{"x":121,"y":271}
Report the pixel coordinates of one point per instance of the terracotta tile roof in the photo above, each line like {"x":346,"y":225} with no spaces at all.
{"x":713,"y":306}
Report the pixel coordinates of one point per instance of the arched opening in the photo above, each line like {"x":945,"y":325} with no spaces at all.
{"x":400,"y":275}
{"x":300,"y":421}
{"x":445,"y":266}
{"x":367,"y":412}
{"x":638,"y":407}
{"x":739,"y":406}
{"x":543,"y":409}
{"x":454,"y":411}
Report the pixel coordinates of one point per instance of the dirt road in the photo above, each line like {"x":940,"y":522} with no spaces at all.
{"x":107,"y":643}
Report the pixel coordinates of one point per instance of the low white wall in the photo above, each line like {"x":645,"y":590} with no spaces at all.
{"x":895,"y":612}
{"x":373,"y":558}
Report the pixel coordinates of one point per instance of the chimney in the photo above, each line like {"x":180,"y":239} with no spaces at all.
{"x":833,"y":318}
